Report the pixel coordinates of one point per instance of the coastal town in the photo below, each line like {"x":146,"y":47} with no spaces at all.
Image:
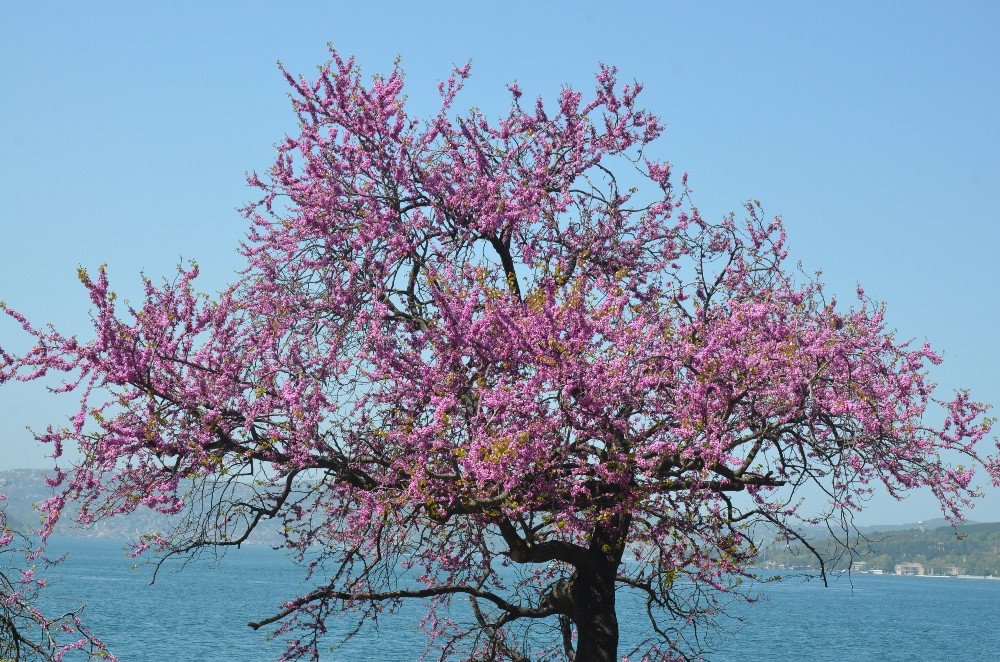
{"x":918,"y":570}
{"x":932,"y":549}
{"x":910,"y":569}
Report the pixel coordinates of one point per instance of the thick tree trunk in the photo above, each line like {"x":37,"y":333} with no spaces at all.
{"x":595,"y":619}
{"x":587,"y":598}
{"x":597,"y":631}
{"x":593,"y":594}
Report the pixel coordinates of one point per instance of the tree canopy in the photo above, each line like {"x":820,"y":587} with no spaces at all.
{"x":502,"y":361}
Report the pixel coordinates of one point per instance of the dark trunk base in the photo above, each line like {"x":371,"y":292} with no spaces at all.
{"x":596,"y":623}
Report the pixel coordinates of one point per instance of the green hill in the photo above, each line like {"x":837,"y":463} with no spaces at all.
{"x":972,"y":549}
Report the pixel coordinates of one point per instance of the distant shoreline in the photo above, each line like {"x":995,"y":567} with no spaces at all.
{"x":893,"y":574}
{"x":815,"y":573}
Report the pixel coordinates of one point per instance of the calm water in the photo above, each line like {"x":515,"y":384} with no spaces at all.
{"x":201,"y":614}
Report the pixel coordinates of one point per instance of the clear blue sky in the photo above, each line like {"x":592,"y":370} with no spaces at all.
{"x":871,"y":127}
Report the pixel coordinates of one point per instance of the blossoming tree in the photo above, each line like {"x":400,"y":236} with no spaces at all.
{"x":502,"y":366}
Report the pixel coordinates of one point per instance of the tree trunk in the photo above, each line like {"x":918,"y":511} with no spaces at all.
{"x":596,"y":621}
{"x":593,"y":593}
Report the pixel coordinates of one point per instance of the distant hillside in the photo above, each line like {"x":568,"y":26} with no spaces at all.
{"x":23,"y":488}
{"x":818,"y":531}
{"x":26,"y":487}
{"x":934,"y":523}
{"x":973,"y":550}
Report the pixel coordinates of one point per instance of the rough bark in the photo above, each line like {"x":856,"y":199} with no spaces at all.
{"x":596,"y":621}
{"x":588,"y":597}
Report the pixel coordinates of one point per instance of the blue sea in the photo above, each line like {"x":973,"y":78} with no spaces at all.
{"x":201,"y":613}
